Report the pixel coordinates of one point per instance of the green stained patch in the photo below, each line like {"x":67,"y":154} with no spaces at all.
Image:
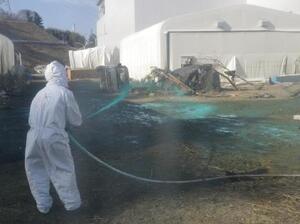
{"x":182,"y":110}
{"x":247,"y":132}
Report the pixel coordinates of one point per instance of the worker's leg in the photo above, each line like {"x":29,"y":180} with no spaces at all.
{"x":37,"y":175}
{"x":62,"y":173}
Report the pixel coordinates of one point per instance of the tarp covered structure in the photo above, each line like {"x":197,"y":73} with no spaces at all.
{"x":91,"y":58}
{"x":256,"y":42}
{"x":7,"y":54}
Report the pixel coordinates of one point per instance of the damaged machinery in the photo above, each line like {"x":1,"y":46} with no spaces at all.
{"x":113,"y":78}
{"x":194,"y":78}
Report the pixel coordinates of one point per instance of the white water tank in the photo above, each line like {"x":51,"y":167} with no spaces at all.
{"x":7,"y":54}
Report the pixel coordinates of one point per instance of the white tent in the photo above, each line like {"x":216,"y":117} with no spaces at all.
{"x":253,"y":39}
{"x":91,"y":58}
{"x":7,"y":54}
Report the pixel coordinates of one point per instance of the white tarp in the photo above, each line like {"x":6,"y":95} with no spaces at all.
{"x":7,"y":54}
{"x":254,"y":43}
{"x":90,"y":58}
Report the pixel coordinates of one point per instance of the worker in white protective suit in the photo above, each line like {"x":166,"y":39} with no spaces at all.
{"x":48,"y":156}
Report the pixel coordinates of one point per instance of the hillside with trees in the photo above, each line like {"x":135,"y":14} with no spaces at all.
{"x":71,"y":38}
{"x":37,"y":44}
{"x":30,"y":16}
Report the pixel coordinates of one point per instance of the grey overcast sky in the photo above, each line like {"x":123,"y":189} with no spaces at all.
{"x":63,"y":13}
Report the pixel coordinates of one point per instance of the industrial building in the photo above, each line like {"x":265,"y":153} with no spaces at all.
{"x":119,"y":19}
{"x":256,"y":42}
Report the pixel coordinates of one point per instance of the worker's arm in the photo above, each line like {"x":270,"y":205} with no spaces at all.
{"x":73,"y":113}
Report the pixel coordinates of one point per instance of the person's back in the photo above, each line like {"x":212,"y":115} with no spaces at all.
{"x":50,"y":108}
{"x":48,"y":156}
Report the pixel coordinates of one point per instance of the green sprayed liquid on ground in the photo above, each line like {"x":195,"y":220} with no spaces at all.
{"x":244,"y":135}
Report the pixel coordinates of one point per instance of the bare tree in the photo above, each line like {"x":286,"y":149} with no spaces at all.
{"x":30,"y":16}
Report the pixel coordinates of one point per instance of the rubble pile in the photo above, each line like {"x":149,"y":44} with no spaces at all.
{"x":192,"y":79}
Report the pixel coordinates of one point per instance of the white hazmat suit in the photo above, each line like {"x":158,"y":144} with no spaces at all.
{"x":48,"y":156}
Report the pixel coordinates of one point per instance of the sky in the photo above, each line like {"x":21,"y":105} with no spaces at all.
{"x":63,"y":14}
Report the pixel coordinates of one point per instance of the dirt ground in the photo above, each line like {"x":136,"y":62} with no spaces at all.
{"x":167,"y":137}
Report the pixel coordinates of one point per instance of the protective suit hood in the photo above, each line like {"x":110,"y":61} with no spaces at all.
{"x":55,"y":74}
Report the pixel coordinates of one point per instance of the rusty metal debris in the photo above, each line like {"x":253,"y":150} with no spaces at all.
{"x":159,"y":75}
{"x":193,"y":78}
